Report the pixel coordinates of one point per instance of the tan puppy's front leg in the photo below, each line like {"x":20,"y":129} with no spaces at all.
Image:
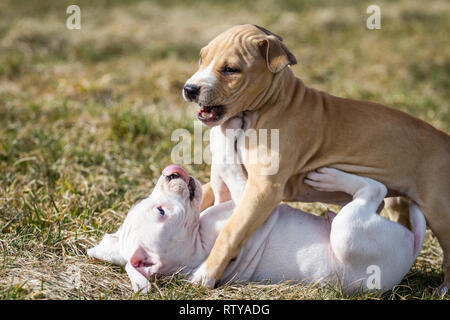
{"x":208,"y":197}
{"x":260,"y":197}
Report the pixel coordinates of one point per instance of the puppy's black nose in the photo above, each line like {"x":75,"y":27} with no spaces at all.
{"x":191,"y":91}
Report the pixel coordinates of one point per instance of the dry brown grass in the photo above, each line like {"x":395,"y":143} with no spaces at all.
{"x":86,"y":118}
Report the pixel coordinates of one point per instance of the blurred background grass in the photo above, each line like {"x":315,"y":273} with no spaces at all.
{"x":86,"y":117}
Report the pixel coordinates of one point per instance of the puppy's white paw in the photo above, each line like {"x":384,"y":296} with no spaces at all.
{"x":325,"y":179}
{"x":200,"y":277}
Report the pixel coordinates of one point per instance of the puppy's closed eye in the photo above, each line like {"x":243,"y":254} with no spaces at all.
{"x":230,"y":70}
{"x":161,"y":211}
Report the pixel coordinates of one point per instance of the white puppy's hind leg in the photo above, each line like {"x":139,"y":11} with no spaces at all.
{"x":365,"y":191}
{"x":355,"y":232}
{"x":357,"y":225}
{"x":361,"y":239}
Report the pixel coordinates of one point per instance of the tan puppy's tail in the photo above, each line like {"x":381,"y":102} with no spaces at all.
{"x":418,"y":226}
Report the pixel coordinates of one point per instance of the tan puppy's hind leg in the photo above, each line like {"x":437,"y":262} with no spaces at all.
{"x":397,"y":209}
{"x":443,"y":236}
{"x":438,"y":220}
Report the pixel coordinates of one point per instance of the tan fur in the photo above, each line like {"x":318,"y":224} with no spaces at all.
{"x":316,"y":130}
{"x":207,"y":197}
{"x":398,"y":210}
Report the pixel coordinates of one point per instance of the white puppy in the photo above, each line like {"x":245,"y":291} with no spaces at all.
{"x":166,"y":232}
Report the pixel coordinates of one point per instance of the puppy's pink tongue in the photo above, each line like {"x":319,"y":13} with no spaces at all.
{"x":173,"y":168}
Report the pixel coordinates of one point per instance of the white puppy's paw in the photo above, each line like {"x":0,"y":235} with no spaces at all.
{"x":326,"y":179}
{"x":200,"y":277}
{"x":331,"y":180}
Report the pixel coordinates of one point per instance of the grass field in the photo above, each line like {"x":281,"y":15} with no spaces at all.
{"x":86,"y":118}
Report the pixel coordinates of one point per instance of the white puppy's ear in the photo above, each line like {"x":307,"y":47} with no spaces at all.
{"x":108,"y":250}
{"x":277,"y":55}
{"x":143,"y":263}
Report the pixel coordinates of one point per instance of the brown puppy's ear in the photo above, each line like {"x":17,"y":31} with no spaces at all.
{"x":277,"y":55}
{"x":268,"y":32}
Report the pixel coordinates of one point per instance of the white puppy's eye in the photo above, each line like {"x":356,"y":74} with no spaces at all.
{"x":161,"y":211}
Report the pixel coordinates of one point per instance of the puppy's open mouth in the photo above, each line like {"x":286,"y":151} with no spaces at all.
{"x":190,"y":184}
{"x":209,"y":114}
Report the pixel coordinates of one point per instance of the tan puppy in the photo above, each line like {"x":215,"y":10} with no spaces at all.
{"x":245,"y":69}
